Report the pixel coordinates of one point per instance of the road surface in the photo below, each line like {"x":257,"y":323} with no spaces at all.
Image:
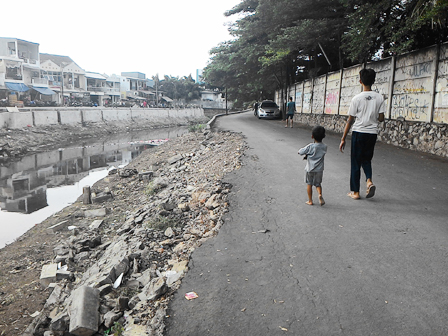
{"x":351,"y":267}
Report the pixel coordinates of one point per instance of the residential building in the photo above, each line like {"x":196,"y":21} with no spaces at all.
{"x":64,"y":76}
{"x":113,"y":89}
{"x":135,"y":82}
{"x":96,"y":86}
{"x":19,"y":70}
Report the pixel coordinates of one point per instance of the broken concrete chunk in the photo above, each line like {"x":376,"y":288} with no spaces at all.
{"x":96,"y":224}
{"x":84,"y":314}
{"x":153,"y":290}
{"x":59,"y":323}
{"x":102,"y":197}
{"x":95,"y":213}
{"x":183,"y":206}
{"x":145,"y":175}
{"x":58,"y":227}
{"x":54,"y":296}
{"x":110,"y":317}
{"x":60,"y":274}
{"x":212,"y":202}
{"x":169,"y":232}
{"x":168,"y":206}
{"x":174,"y":159}
{"x":179,"y":248}
{"x":48,"y":274}
{"x":106,"y":289}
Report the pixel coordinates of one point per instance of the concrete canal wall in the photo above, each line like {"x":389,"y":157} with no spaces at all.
{"x":27,"y":117}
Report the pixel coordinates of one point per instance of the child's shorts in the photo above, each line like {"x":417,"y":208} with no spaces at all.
{"x":314,"y":178}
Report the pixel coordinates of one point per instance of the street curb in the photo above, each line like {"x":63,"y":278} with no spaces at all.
{"x":212,"y":121}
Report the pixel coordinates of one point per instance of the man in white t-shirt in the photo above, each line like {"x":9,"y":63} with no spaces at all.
{"x":366,"y":110}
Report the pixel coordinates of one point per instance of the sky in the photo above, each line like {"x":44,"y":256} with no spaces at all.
{"x":164,"y":37}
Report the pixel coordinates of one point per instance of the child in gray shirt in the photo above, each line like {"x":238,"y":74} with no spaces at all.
{"x":314,"y":154}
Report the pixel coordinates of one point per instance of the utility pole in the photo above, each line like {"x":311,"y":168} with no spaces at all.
{"x":227,"y":112}
{"x":62,"y":85}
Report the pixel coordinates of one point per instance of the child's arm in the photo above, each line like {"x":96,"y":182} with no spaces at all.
{"x":305,"y":150}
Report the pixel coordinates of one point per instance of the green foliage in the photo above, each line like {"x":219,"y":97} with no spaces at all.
{"x":389,"y":27}
{"x":116,"y":330}
{"x":277,"y":43}
{"x":180,"y":88}
{"x":151,"y":189}
{"x":196,"y":128}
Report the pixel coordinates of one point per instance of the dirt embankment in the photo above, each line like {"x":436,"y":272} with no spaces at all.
{"x":188,"y":198}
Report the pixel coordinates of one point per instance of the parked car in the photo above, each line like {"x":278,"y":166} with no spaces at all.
{"x":268,"y":110}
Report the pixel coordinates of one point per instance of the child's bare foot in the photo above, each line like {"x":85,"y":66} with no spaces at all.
{"x":309,"y":203}
{"x":354,"y":195}
{"x":321,"y":200}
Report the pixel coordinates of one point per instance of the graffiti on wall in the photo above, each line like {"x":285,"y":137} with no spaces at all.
{"x":318,"y":98}
{"x":411,"y":107}
{"x":416,"y":80}
{"x":415,"y":71}
{"x":307,"y":103}
{"x":298,"y":99}
{"x":332,"y":102}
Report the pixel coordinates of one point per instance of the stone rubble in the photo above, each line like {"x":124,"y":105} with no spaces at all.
{"x":131,"y":249}
{"x":420,"y":136}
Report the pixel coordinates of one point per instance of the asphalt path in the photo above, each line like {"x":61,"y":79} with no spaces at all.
{"x":374,"y":266}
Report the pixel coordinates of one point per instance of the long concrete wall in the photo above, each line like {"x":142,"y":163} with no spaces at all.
{"x":75,"y":116}
{"x":415,"y":89}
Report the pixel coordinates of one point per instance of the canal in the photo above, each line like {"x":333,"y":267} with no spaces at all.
{"x":39,"y":185}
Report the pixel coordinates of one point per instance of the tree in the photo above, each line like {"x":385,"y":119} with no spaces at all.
{"x":279,"y":42}
{"x":177,"y":88}
{"x":386,"y":27}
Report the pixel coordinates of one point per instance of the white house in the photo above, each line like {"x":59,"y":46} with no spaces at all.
{"x":63,"y":75}
{"x":19,"y":68}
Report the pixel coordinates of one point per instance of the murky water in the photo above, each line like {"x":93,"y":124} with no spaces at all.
{"x":40,"y":185}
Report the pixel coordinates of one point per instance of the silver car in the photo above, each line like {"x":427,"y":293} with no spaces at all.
{"x":268,"y":110}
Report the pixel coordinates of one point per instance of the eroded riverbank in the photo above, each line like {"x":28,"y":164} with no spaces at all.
{"x":155,"y":223}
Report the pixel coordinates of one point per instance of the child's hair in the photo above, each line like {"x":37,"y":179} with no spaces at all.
{"x":367,"y":76}
{"x":318,"y":133}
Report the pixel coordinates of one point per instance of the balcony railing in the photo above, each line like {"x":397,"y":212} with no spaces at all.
{"x":41,"y":81}
{"x":103,"y":89}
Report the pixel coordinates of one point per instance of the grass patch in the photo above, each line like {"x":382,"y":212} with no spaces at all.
{"x":116,"y":330}
{"x":196,"y":128}
{"x":161,"y":223}
{"x":151,"y":189}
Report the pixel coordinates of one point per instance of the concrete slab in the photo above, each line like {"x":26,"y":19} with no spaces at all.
{"x":84,"y":314}
{"x":48,"y":274}
{"x":58,"y":227}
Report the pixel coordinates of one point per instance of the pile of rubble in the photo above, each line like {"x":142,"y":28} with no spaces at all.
{"x":130,"y":248}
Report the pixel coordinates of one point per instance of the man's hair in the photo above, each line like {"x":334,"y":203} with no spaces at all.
{"x":367,"y":76}
{"x":290,"y":98}
{"x":318,"y":133}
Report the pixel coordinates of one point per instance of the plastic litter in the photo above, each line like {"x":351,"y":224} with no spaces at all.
{"x":117,"y":282}
{"x":191,"y":295}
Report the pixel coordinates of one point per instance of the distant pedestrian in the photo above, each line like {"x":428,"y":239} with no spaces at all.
{"x":366,"y":110}
{"x":255,"y":108}
{"x":314,"y":169}
{"x":290,"y":110}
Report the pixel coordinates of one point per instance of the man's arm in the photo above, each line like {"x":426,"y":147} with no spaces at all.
{"x":350,"y":121}
{"x":381,"y":117}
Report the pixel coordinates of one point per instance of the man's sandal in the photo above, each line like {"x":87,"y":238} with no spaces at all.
{"x":370,"y":191}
